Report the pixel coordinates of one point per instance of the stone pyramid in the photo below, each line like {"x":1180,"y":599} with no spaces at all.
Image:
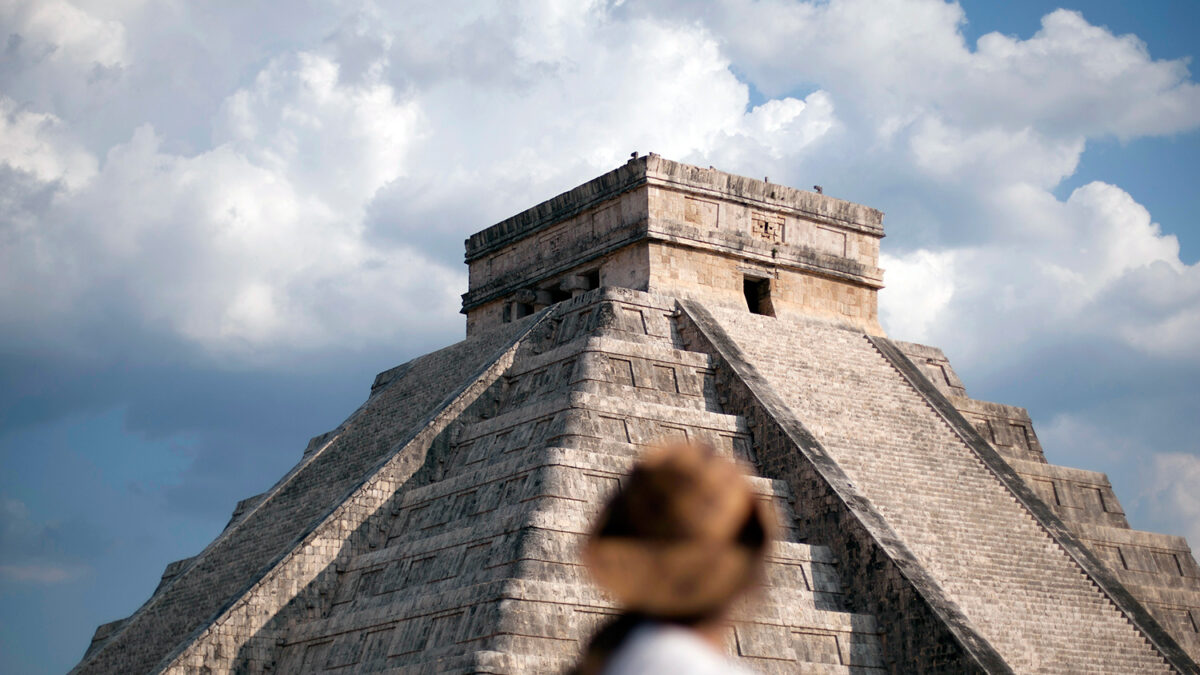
{"x":436,"y":529}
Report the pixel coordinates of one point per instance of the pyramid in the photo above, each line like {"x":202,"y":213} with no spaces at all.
{"x":437,"y":528}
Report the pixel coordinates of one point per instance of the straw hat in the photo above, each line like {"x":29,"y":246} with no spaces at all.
{"x":685,"y":536}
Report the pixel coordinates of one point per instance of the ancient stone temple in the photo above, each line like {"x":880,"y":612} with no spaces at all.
{"x":436,"y":529}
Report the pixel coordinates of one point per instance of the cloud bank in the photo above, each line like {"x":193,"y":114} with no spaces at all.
{"x":229,"y":192}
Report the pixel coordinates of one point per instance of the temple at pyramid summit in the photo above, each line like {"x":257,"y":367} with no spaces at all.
{"x":437,"y":529}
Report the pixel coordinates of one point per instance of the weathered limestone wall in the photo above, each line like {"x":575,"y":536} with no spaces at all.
{"x":765,"y":232}
{"x":884,"y":434}
{"x":476,"y":570}
{"x":923,"y":630}
{"x":625,"y":267}
{"x":1159,"y":570}
{"x":538,"y":268}
{"x":214,"y":583}
{"x":706,"y":230}
{"x":761,"y":227}
{"x":564,"y":243}
{"x":717,"y":278}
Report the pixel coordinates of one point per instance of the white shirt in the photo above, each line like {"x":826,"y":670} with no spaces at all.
{"x":662,"y":649}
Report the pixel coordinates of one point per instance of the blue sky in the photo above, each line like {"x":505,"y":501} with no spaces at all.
{"x":218,"y":222}
{"x":1159,"y":171}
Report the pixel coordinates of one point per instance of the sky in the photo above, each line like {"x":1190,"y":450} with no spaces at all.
{"x":218,"y":221}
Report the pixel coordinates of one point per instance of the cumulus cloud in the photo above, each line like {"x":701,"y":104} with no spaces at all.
{"x":327,"y":203}
{"x":39,"y":144}
{"x":1169,"y":491}
{"x":963,"y":146}
{"x":316,"y":214}
{"x":919,"y":287}
{"x":334,"y":140}
{"x":60,"y":58}
{"x":222,"y":252}
{"x":897,"y":59}
{"x":599,"y":86}
{"x":1100,"y":269}
{"x":230,"y":185}
{"x":253,"y":245}
{"x":62,"y":32}
{"x":1072,"y":77}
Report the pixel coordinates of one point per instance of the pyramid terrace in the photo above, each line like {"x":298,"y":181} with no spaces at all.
{"x":437,"y":529}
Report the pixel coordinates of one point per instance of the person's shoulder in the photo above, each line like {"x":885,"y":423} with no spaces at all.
{"x":661,"y":649}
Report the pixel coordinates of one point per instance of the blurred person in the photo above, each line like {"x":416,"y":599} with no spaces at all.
{"x":678,"y":547}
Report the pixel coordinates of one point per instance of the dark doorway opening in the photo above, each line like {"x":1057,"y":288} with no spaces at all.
{"x":758,"y":295}
{"x":592,"y":280}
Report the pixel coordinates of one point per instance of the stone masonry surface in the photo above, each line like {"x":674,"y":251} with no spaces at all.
{"x":923,"y":630}
{"x":437,"y":529}
{"x":476,"y":569}
{"x":1159,"y":570}
{"x":684,"y":231}
{"x":1098,"y":573}
{"x":222,"y":572}
{"x":1009,"y":577}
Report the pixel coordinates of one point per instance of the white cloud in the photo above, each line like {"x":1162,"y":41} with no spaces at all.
{"x":38,"y":143}
{"x":340,"y":171}
{"x":254,"y":247}
{"x":250,"y":185}
{"x":593,"y":95}
{"x":309,"y":221}
{"x":964,"y":147}
{"x":919,"y":287}
{"x":775,"y":133}
{"x":1098,"y":269}
{"x":1077,"y":78}
{"x":335,"y":140}
{"x":1157,"y":309}
{"x":1169,"y":491}
{"x":896,"y":58}
{"x":993,"y":155}
{"x":59,"y":31}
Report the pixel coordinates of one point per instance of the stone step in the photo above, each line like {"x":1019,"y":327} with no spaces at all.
{"x":547,"y":609}
{"x":616,"y":346}
{"x":493,"y":662}
{"x":606,"y":464}
{"x":601,"y":404}
{"x":618,"y":312}
{"x":511,"y":663}
{"x":593,"y":422}
{"x":454,"y":539}
{"x":957,"y":518}
{"x":1148,"y":558}
{"x":631,"y":394}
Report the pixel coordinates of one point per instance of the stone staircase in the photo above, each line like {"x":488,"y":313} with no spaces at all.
{"x":466,"y":560}
{"x":1158,"y":569}
{"x":951,"y":511}
{"x":477,"y":571}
